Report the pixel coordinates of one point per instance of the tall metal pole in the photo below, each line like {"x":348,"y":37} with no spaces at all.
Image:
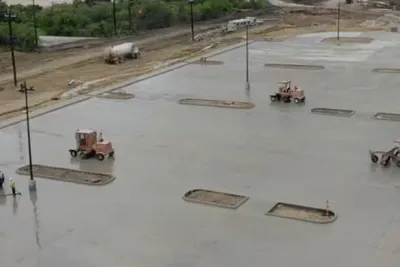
{"x":35,"y":25}
{"x":130,"y":15}
{"x":247,"y":86}
{"x":247,"y":54}
{"x":191,"y":18}
{"x":338,"y":23}
{"x":115,"y":17}
{"x":32,"y":182}
{"x":11,"y":40}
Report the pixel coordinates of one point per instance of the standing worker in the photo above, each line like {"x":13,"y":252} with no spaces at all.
{"x":2,"y":179}
{"x":13,"y":187}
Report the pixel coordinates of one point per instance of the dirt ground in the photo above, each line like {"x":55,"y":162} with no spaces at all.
{"x":216,"y":197}
{"x":299,"y":213}
{"x":67,"y":175}
{"x":50,"y":72}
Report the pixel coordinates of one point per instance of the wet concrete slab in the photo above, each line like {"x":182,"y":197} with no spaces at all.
{"x":272,"y":153}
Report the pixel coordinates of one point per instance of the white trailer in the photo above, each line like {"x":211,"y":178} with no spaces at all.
{"x":117,"y":54}
{"x":236,"y":24}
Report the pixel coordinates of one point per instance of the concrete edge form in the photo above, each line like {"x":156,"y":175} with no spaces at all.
{"x":240,"y":203}
{"x":50,"y":177}
{"x":216,"y":103}
{"x":340,"y":112}
{"x":294,"y":66}
{"x":78,"y":99}
{"x":332,"y":214}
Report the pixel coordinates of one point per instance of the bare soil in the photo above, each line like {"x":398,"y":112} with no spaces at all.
{"x":301,"y":213}
{"x":295,"y":66}
{"x":67,"y":175}
{"x":333,"y":112}
{"x":216,"y":103}
{"x":386,"y":70}
{"x":208,"y":62}
{"x":354,"y":40}
{"x":212,"y":197}
{"x":387,"y":116}
{"x":116,"y":95}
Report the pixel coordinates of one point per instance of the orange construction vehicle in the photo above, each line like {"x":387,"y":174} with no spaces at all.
{"x":286,"y":93}
{"x":88,"y":145}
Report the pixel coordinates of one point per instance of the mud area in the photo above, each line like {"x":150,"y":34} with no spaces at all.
{"x":294,"y":66}
{"x":67,"y":175}
{"x":386,"y":70}
{"x":387,"y":116}
{"x":220,"y":199}
{"x":216,"y":103}
{"x":116,"y":95}
{"x":302,"y":213}
{"x":348,"y":40}
{"x":333,"y":112}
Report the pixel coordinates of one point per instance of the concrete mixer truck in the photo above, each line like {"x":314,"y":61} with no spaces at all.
{"x":118,"y":53}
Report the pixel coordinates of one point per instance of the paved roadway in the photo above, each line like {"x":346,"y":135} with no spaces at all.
{"x":270,"y":153}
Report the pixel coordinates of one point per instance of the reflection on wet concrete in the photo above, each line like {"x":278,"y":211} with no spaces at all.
{"x":15,"y":204}
{"x":93,"y":165}
{"x":3,"y":198}
{"x":33,"y":197}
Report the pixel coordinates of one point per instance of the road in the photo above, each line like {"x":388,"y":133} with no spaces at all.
{"x":270,"y":153}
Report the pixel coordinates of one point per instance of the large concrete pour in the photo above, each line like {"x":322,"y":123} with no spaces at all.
{"x":270,"y":153}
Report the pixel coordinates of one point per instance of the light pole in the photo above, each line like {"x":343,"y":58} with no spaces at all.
{"x":35,"y":25}
{"x":191,"y":18}
{"x":10,"y":16}
{"x":130,"y":15}
{"x":247,"y":86}
{"x":32,"y":181}
{"x":338,"y":23}
{"x":115,"y":17}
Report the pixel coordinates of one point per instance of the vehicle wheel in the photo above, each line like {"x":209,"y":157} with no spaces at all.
{"x":304,"y":100}
{"x":374,"y":158}
{"x":273,"y":98}
{"x":296,"y":100}
{"x":111,"y":154}
{"x":386,"y":162}
{"x":73,"y":153}
{"x":100,"y":157}
{"x":278,"y":97}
